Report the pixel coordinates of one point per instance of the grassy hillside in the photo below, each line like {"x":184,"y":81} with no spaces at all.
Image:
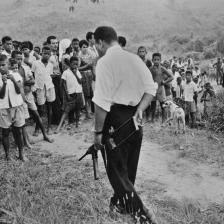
{"x":157,"y":24}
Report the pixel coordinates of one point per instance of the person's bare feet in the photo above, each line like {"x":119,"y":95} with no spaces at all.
{"x":23,"y":158}
{"x":47,"y":139}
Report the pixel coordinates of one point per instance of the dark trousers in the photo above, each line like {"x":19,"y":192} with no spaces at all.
{"x":122,"y":162}
{"x":56,"y":105}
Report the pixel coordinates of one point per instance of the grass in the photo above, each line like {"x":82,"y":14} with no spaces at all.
{"x":199,"y":145}
{"x":55,"y":189}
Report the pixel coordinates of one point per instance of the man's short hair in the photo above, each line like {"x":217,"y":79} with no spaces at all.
{"x":83,"y":42}
{"x":75,"y":39}
{"x":3,"y":57}
{"x":51,"y":38}
{"x":89,"y":35}
{"x":142,"y":47}
{"x":122,"y":41}
{"x":46,"y":48}
{"x":14,"y":53}
{"x":25,"y":45}
{"x":156,"y":55}
{"x":5,"y":39}
{"x":73,"y":58}
{"x":105,"y":33}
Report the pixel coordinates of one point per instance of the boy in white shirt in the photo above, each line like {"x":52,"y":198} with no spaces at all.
{"x":71,"y":82}
{"x":43,"y":70}
{"x":11,"y":108}
{"x":189,"y":92}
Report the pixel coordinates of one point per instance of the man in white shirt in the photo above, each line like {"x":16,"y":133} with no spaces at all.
{"x":43,"y":70}
{"x":56,"y":78}
{"x":124,"y":88}
{"x":11,"y":108}
{"x":7,"y":45}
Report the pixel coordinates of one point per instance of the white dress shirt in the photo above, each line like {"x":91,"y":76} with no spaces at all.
{"x":71,"y":82}
{"x":11,"y":99}
{"x":121,"y":78}
{"x":42,"y":75}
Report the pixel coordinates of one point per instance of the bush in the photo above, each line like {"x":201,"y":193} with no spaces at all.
{"x":209,"y":54}
{"x":216,"y":114}
{"x":220,"y":45}
{"x":180,"y":39}
{"x":198,"y":46}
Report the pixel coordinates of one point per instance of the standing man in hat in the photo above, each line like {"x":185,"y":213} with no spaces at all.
{"x":124,"y":89}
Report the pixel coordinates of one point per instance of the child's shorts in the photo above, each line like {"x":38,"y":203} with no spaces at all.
{"x":75,"y":104}
{"x":12,"y":117}
{"x":30,"y":101}
{"x":189,"y":107}
{"x":44,"y":95}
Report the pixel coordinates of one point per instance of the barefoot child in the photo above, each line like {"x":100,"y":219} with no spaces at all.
{"x":11,"y":109}
{"x":72,"y":86}
{"x":28,"y":85}
{"x":189,"y":92}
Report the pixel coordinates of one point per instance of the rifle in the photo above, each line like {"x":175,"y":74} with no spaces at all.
{"x":92,"y":150}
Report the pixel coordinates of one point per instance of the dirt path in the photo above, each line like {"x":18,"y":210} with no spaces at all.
{"x":161,"y":172}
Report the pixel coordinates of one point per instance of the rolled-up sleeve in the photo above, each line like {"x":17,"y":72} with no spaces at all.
{"x":103,"y":87}
{"x":150,"y":86}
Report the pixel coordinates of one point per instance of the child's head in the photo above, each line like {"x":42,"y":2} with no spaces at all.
{"x":68,"y":50}
{"x":25,"y":48}
{"x":46,"y":53}
{"x":3,"y":64}
{"x":142,"y":52}
{"x":156,"y":59}
{"x":90,"y":38}
{"x":83,"y":44}
{"x":179,"y":80}
{"x":122,"y":41}
{"x":75,"y":44}
{"x":174,"y":68}
{"x":13,"y":65}
{"x":16,"y":45}
{"x":37,"y":49}
{"x":7,"y":43}
{"x":18,"y":56}
{"x":188,"y":75}
{"x":74,"y":63}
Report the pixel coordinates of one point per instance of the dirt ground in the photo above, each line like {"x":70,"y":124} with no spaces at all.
{"x":162,"y":172}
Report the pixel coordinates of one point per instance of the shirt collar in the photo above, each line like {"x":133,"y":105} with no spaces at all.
{"x":113,"y":48}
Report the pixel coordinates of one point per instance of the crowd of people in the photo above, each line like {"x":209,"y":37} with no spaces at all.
{"x":59,"y":78}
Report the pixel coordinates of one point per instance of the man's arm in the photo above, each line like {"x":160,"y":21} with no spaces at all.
{"x":169,"y":76}
{"x":100,"y":116}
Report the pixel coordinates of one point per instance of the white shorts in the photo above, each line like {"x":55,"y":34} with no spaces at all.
{"x":29,"y":99}
{"x":12,"y":117}
{"x":44,"y":95}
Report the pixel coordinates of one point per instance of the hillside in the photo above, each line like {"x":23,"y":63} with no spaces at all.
{"x":157,"y":24}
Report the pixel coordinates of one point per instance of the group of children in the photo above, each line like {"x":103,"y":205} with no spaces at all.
{"x":181,"y":81}
{"x":59,"y":78}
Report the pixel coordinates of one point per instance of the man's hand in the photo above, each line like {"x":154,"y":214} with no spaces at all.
{"x":4,"y":78}
{"x":139,"y":116}
{"x":97,"y":140}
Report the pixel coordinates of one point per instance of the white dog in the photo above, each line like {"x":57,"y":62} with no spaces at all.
{"x":177,"y":115}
